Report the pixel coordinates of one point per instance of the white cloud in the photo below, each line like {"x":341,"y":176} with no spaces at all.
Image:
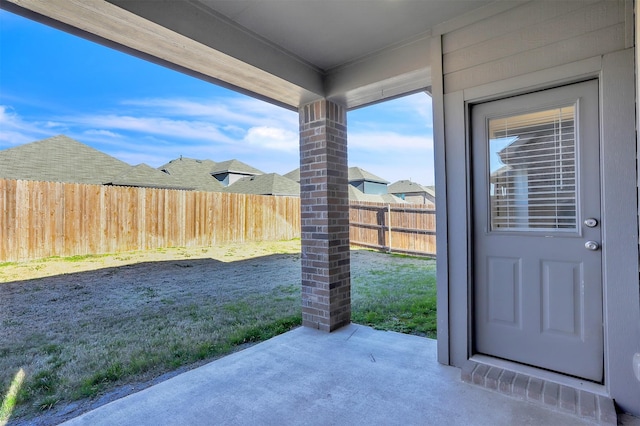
{"x":272,"y":138}
{"x":224,"y":111}
{"x":226,"y":120}
{"x":408,"y":115}
{"x":155,"y":131}
{"x":181,"y":129}
{"x":97,"y":132}
{"x":17,"y":131}
{"x":419,"y":104}
{"x":54,"y":125}
{"x":389,"y":142}
{"x":266,"y":112}
{"x":187,"y":108}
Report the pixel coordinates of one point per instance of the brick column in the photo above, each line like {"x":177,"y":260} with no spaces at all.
{"x":324,"y":196}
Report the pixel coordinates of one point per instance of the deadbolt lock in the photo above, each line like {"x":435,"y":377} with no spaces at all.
{"x":591,"y":222}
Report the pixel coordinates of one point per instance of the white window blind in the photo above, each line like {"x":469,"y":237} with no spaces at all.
{"x":533,"y":171}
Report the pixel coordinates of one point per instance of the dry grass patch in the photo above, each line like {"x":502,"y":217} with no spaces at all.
{"x":79,"y":327}
{"x":111,"y":321}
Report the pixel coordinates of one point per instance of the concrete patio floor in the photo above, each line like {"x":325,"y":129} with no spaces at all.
{"x":354,"y":376}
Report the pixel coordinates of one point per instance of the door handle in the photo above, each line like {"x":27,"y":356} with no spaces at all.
{"x":591,"y":245}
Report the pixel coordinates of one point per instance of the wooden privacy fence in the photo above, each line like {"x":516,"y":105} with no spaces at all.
{"x":42,"y":219}
{"x":404,"y":228}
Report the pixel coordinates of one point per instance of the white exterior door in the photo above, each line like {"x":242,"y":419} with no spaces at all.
{"x":537,"y":277}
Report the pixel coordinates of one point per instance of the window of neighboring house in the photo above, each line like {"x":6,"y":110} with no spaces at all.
{"x":534,"y":181}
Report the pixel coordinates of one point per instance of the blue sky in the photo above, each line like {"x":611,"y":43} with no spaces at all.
{"x":53,"y":83}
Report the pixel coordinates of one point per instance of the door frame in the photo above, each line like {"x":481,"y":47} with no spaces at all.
{"x":621,"y":310}
{"x":485,"y":241}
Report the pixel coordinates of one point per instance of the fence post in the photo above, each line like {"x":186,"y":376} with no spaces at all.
{"x":389,"y":224}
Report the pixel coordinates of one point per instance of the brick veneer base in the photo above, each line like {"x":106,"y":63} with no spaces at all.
{"x":563,"y":398}
{"x":324,"y":202}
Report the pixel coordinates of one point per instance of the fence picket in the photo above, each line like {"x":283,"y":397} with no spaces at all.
{"x":407,"y":228}
{"x":42,"y":219}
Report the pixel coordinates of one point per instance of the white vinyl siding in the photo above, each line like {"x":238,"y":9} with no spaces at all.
{"x":531,"y":37}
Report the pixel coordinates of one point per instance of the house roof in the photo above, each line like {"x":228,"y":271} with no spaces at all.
{"x":294,"y":175}
{"x":235,"y":166}
{"x":63,"y":159}
{"x":357,"y":174}
{"x":356,"y":195}
{"x":183,"y":164}
{"x":143,"y":175}
{"x":265,"y":184}
{"x":60,"y":159}
{"x":275,"y":184}
{"x":407,"y":186}
{"x":193,"y":173}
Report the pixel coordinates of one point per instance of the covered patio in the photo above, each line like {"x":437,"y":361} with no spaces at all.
{"x":566,"y":314}
{"x":353,"y":376}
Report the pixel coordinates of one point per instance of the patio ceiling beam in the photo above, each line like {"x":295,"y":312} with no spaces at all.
{"x":392,"y":72}
{"x":190,"y":37}
{"x":184,"y":39}
{"x":198,"y":22}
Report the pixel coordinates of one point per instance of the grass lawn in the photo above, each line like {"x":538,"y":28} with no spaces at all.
{"x":75,"y":328}
{"x":397,"y":294}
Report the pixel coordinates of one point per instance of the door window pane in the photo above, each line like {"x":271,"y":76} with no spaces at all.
{"x":533,"y":171}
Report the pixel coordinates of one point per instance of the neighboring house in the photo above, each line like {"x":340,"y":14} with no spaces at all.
{"x":356,"y":195}
{"x":229,"y":172}
{"x":193,"y":173}
{"x":360,"y":178}
{"x":413,"y":192}
{"x":294,"y":175}
{"x":364,"y":181}
{"x":274,"y":184}
{"x":143,"y":176}
{"x":534,"y":185}
{"x":367,"y":182}
{"x":265,"y":184}
{"x":62,"y":159}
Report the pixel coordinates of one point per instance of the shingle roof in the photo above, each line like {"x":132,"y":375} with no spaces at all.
{"x":406,"y":186}
{"x":431,"y":190}
{"x":193,"y":173}
{"x":184,"y":164}
{"x":266,"y":184}
{"x":60,"y":159}
{"x":294,"y":175}
{"x":356,"y":195}
{"x":146,"y":176}
{"x":235,"y":166}
{"x":356,"y":174}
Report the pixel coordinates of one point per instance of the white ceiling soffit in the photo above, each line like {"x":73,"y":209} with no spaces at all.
{"x":288,"y":52}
